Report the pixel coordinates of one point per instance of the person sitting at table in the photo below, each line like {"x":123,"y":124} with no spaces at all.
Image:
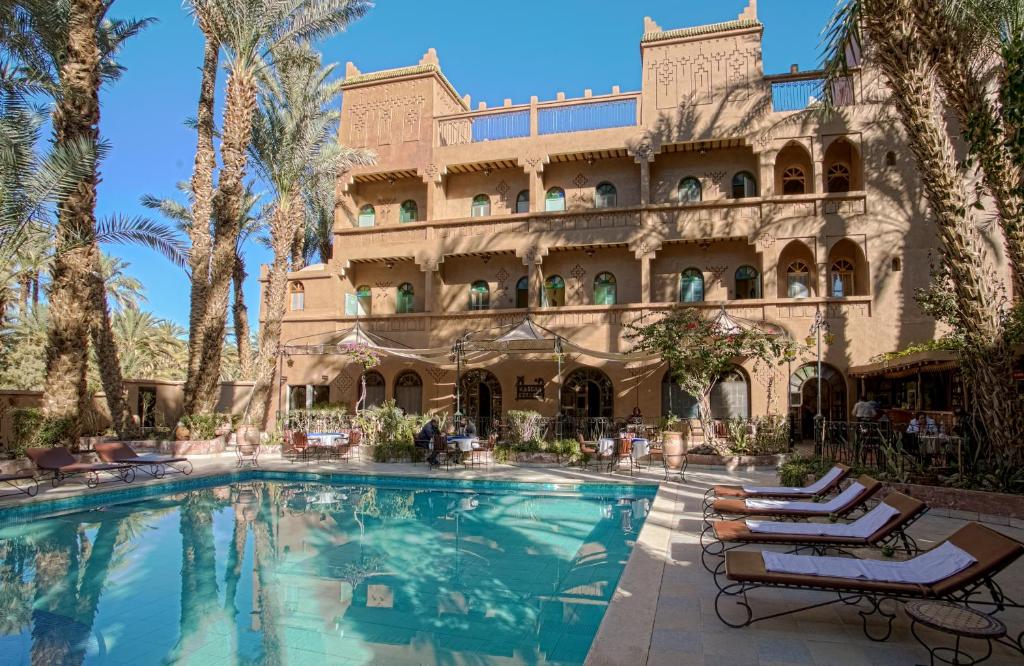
{"x":425,"y":437}
{"x":470,"y":429}
{"x":919,"y":425}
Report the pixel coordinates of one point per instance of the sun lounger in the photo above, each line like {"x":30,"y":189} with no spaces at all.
{"x":63,"y":465}
{"x":155,"y":466}
{"x":961,"y":569}
{"x":885,"y":525}
{"x":828,"y":483}
{"x":852,"y":498}
{"x":15,"y":481}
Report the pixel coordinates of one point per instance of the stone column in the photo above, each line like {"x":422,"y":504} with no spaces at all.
{"x":645,"y":278}
{"x":532,"y":257}
{"x":432,"y":177}
{"x":534,"y":167}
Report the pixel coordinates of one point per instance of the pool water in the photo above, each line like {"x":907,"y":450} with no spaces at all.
{"x":278,"y":572}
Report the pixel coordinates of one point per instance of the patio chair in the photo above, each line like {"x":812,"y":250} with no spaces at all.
{"x":961,"y":570}
{"x":155,"y":466}
{"x":62,"y":465}
{"x":823,"y":486}
{"x":623,"y":451}
{"x":590,"y":451}
{"x":482,"y":454}
{"x":854,"y":497}
{"x":885,"y":525}
{"x":13,"y":480}
{"x":441,"y":451}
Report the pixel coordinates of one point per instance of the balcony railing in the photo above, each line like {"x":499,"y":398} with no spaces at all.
{"x":490,"y":127}
{"x":559,"y":117}
{"x":795,"y":94}
{"x":583,"y":117}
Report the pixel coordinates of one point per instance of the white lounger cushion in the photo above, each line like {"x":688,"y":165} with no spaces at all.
{"x":838,"y":502}
{"x":812,"y":489}
{"x":937,"y":564}
{"x":861,"y":528}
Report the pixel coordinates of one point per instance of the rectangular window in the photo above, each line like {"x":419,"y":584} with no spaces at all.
{"x":351,"y":305}
{"x":798,"y":286}
{"x":298,"y":300}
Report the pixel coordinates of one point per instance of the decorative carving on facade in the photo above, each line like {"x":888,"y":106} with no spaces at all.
{"x":716,"y":272}
{"x":706,"y":72}
{"x":529,"y":391}
{"x":715,"y":176}
{"x":381,"y":290}
{"x":534,"y":162}
{"x":373,"y":120}
{"x":343,"y":383}
{"x":767,"y":239}
{"x":577,"y":274}
{"x":500,"y":277}
{"x":439,"y":375}
{"x":580,"y":180}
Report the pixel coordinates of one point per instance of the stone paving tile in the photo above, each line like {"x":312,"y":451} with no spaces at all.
{"x":784,"y":650}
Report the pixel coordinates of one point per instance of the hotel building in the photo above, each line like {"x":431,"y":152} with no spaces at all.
{"x":715,"y":185}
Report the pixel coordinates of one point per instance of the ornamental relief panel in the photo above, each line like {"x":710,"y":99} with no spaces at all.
{"x":392,"y":115}
{"x":702,"y":73}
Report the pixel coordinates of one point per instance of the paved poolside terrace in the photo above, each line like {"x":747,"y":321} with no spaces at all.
{"x":663,"y":611}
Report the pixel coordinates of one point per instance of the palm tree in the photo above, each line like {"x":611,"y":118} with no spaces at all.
{"x":122,"y":290}
{"x":253,"y":223}
{"x":292,"y":147}
{"x":319,"y":220}
{"x":152,"y":347}
{"x":964,"y":38}
{"x":254,"y":34}
{"x":75,"y":49}
{"x":894,"y":42}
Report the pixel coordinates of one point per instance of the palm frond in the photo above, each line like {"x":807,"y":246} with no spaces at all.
{"x":840,"y":43}
{"x":145,"y":232}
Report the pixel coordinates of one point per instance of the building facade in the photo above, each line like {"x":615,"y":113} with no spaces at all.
{"x":715,"y":185}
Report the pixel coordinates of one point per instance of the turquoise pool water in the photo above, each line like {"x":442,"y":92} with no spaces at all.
{"x":272,"y":571}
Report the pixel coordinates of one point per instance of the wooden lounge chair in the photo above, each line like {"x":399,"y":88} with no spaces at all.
{"x":826,"y":485}
{"x":727,"y":535}
{"x":155,"y":466}
{"x":13,"y":480}
{"x":63,"y":465}
{"x":842,"y":505}
{"x":974,"y":585}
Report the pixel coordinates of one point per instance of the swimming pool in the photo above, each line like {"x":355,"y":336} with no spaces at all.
{"x":290,"y":569}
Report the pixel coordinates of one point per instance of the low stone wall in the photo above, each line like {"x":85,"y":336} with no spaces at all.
{"x":964,"y":503}
{"x":739,"y":463}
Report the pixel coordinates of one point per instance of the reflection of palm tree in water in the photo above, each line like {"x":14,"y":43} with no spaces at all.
{"x":15,"y":586}
{"x":199,"y":593}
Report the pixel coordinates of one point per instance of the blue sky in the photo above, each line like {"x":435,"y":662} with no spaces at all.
{"x":486,"y":50}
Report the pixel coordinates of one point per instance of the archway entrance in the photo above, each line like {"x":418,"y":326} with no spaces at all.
{"x":803,"y":389}
{"x":588,"y":400}
{"x":481,"y":399}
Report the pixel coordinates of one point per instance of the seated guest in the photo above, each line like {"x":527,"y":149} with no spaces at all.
{"x":470,"y":429}
{"x":919,"y":425}
{"x":424,"y":438}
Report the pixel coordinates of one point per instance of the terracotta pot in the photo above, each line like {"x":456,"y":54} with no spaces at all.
{"x":222,"y":429}
{"x":181,"y":433}
{"x":249,"y":434}
{"x":674,"y":447}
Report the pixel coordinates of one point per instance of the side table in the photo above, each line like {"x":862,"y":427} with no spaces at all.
{"x":957,"y":621}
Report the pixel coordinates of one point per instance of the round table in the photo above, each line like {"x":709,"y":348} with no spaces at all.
{"x":640,"y":446}
{"x":957,"y":621}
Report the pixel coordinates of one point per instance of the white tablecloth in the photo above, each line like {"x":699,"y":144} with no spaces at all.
{"x":327,"y":438}
{"x":465,"y":444}
{"x":641,"y":447}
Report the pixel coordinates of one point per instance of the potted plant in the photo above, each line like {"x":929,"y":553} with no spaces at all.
{"x":675,"y":433}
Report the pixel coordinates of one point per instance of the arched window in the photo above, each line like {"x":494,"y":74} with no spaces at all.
{"x":604,"y":289}
{"x":744,"y":185}
{"x":690,"y":190}
{"x":554,"y":200}
{"x":605,"y":196}
{"x":409,"y":392}
{"x":405,"y":300}
{"x":842,"y":278}
{"x":479,"y":296}
{"x":798,"y":280}
{"x":554,"y":291}
{"x":367,"y":216}
{"x":730,"y":397}
{"x":523,"y":292}
{"x":364,"y":299}
{"x":481,"y":206}
{"x":376,"y":389}
{"x":298,"y":296}
{"x":794,"y":181}
{"x":676,"y":401}
{"x":839,"y":178}
{"x":523,"y":202}
{"x":691,"y":286}
{"x":748,"y":282}
{"x":896,"y":265}
{"x":409,"y":212}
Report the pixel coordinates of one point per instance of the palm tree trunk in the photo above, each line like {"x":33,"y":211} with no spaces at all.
{"x":240,"y":316}
{"x":199,"y":589}
{"x":76,"y":115}
{"x":299,"y":249}
{"x":227,"y":202}
{"x":282,"y":232}
{"x":981,"y":125}
{"x":106,"y":353}
{"x":202,"y":206}
{"x":986,"y":358}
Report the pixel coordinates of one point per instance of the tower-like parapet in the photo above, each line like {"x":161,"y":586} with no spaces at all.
{"x":391,"y":111}
{"x":698,"y":80}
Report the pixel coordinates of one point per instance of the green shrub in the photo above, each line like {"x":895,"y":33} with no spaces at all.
{"x":389,"y":431}
{"x":33,"y":429}
{"x":202,"y":426}
{"x":794,"y":471}
{"x":503,"y":454}
{"x":523,"y":426}
{"x":567,"y":449}
{"x":771,"y":434}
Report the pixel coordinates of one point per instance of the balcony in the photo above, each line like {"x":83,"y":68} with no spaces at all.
{"x":539,"y":119}
{"x":798,"y":91}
